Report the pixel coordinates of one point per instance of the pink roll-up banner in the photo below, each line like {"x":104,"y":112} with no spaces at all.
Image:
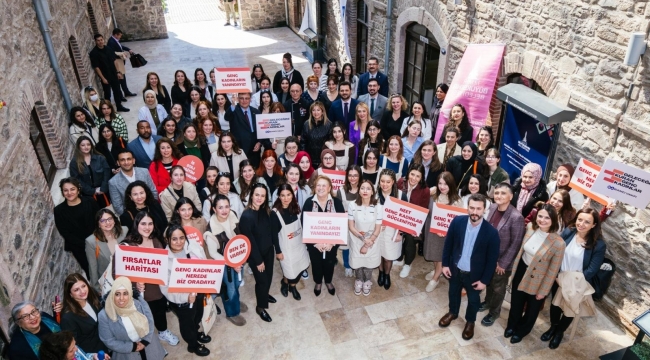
{"x":473,"y":85}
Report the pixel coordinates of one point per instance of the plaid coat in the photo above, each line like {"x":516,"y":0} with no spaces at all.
{"x":543,"y":270}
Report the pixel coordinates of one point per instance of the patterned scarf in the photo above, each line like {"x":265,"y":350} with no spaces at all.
{"x":33,"y":340}
{"x":527,"y":191}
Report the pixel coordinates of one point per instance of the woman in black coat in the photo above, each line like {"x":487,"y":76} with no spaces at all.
{"x":259,"y":230}
{"x":582,"y":236}
{"x":288,"y":72}
{"x":92,"y":170}
{"x":466,"y":164}
{"x":315,"y":132}
{"x":138,"y":197}
{"x":529,"y":189}
{"x":162,"y":96}
{"x":80,"y":309}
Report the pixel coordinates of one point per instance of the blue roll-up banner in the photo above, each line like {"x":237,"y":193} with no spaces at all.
{"x":525,"y":140}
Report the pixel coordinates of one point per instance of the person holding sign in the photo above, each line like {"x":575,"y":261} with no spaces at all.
{"x":242,"y":126}
{"x":188,"y":307}
{"x":348,"y":193}
{"x":537,"y":265}
{"x":126,"y":324}
{"x":144,"y":234}
{"x":469,"y":259}
{"x":323,"y":265}
{"x":343,"y":149}
{"x":223,"y":227}
{"x":178,"y":189}
{"x":187,"y":214}
{"x":417,"y":193}
{"x":295,"y":255}
{"x":563,"y":176}
{"x":364,"y":224}
{"x":447,"y":194}
{"x":193,"y":145}
{"x":293,"y":178}
{"x":510,"y":224}
{"x":390,"y":241}
{"x":257,"y":218}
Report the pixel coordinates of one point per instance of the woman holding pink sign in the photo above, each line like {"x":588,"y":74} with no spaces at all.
{"x":323,"y":268}
{"x":295,"y":255}
{"x":364,"y":223}
{"x":188,"y":307}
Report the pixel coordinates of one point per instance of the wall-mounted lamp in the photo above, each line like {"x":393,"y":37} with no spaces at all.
{"x":635,"y":48}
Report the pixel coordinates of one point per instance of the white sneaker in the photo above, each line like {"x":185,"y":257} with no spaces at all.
{"x":406,"y":270}
{"x":429,"y":276}
{"x":366,"y":288}
{"x":305,"y":275}
{"x":349,"y":273}
{"x":431,"y":285}
{"x":398,"y":263}
{"x":169,"y":337}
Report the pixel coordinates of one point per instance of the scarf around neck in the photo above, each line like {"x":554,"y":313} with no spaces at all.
{"x":527,"y":191}
{"x":139,"y":320}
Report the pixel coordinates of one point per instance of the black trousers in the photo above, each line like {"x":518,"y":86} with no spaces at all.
{"x":557,"y":316}
{"x":294,"y":281}
{"x":159,"y":313}
{"x":408,"y":249}
{"x":263,"y":279}
{"x":113,"y":86}
{"x":189,"y":320}
{"x":522,"y":323}
{"x":125,"y":87}
{"x":322,"y":268}
{"x":80,"y":255}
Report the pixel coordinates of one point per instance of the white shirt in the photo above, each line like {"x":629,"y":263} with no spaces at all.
{"x":573,"y":256}
{"x":89,"y":310}
{"x":130,"y":178}
{"x":130,"y":329}
{"x":532,"y":245}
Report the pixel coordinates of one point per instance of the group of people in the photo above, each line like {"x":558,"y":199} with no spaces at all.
{"x":134,"y":193}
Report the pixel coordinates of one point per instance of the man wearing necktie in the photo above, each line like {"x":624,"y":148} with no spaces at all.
{"x":343,"y":109}
{"x":242,"y":126}
{"x":375,"y":101}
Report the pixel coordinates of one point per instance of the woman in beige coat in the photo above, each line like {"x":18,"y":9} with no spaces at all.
{"x":537,"y":266}
{"x":177,"y":189}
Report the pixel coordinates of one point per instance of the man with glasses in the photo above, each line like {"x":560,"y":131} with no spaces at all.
{"x":373,"y":73}
{"x":376,"y":102}
{"x":128,"y":173}
{"x":299,"y":109}
{"x":33,"y":326}
{"x":243,"y":127}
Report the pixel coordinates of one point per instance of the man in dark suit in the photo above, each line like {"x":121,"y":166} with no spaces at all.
{"x":468,"y":261}
{"x":102,"y":59}
{"x":343,"y":109}
{"x":299,"y":109}
{"x":115,"y":45}
{"x":144,"y":146}
{"x":373,"y":73}
{"x":376,"y":102}
{"x":511,"y":227}
{"x":242,"y":126}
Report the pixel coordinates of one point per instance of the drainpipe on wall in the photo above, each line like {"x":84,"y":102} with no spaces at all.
{"x":47,"y":39}
{"x":110,"y":6}
{"x":389,"y":26}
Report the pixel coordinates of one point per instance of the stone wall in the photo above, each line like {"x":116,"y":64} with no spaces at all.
{"x":33,"y":263}
{"x":257,"y":15}
{"x":140,"y":19}
{"x":574,"y":50}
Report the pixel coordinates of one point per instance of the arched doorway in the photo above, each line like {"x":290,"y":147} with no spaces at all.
{"x":420,"y":65}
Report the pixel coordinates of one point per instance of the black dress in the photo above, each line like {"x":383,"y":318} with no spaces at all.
{"x":390,"y":126}
{"x":181,"y":97}
{"x":111,"y":155}
{"x":313,"y":139}
{"x":75,"y":224}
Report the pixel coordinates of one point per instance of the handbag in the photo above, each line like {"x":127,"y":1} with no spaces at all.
{"x":106,"y":280}
{"x":209,"y":314}
{"x":138,"y":60}
{"x":601,"y":281}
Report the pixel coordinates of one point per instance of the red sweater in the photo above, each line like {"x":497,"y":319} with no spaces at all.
{"x":419,"y":196}
{"x":160,"y":175}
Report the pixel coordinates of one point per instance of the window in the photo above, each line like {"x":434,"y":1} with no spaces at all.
{"x":362,"y":36}
{"x":297,"y":13}
{"x":37,"y":137}
{"x":422,"y":57}
{"x":93,"y":20}
{"x":74,"y":62}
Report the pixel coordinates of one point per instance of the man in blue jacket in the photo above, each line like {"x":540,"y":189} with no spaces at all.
{"x":373,"y":73}
{"x":468,"y":260}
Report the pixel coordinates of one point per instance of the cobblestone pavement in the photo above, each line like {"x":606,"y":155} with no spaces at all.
{"x":401,"y":323}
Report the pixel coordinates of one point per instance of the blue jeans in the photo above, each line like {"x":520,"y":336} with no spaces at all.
{"x":231,"y":306}
{"x":457,"y":282}
{"x":346,"y":258}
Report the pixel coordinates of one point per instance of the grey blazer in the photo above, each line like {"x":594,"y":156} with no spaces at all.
{"x":114,"y":336}
{"x":380,"y":105}
{"x":117,"y":185}
{"x":97,"y":263}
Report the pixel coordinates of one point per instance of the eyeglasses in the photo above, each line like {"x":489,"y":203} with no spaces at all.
{"x":328,"y":158}
{"x":108,"y":220}
{"x":34,"y":314}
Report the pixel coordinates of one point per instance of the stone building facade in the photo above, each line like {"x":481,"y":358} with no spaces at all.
{"x":35,"y":145}
{"x":257,"y":15}
{"x":140,"y":19}
{"x":571,"y":50}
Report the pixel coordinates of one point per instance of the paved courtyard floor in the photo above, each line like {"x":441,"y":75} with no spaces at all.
{"x":401,"y":323}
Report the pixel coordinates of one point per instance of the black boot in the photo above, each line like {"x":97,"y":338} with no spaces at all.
{"x":294,"y":292}
{"x":420,"y":248}
{"x":548,"y":335}
{"x":380,"y":279}
{"x":557,"y":339}
{"x":387,"y":281}
{"x":284,"y":288}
